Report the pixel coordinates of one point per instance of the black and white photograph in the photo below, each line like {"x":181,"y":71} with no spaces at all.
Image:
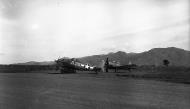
{"x":94,"y":54}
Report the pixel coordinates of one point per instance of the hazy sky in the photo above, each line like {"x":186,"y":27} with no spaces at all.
{"x":39,"y":30}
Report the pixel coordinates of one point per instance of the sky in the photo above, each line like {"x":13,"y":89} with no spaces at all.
{"x":43,"y":30}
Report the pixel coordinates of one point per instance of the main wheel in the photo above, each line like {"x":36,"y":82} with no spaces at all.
{"x":62,"y":71}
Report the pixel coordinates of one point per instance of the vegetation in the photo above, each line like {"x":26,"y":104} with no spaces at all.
{"x":166,"y":62}
{"x":170,"y":73}
{"x":24,"y":68}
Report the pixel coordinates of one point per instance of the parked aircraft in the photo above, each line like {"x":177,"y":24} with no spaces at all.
{"x":117,"y":66}
{"x":67,"y":65}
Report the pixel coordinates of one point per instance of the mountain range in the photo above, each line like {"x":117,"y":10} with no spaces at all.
{"x":155,"y":56}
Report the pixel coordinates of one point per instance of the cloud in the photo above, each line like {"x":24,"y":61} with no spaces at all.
{"x":12,"y":9}
{"x":176,"y":34}
{"x":46,"y":29}
{"x":2,"y":54}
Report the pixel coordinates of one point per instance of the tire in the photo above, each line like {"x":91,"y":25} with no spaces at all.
{"x":62,"y":71}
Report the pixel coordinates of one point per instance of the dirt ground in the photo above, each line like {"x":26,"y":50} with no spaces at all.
{"x":86,"y":90}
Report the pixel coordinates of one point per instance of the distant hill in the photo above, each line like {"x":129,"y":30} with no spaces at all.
{"x":37,"y":63}
{"x":176,"y":57}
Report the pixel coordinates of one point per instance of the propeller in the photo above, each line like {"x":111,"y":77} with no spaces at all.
{"x":102,"y":66}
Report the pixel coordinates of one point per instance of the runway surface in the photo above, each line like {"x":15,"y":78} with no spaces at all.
{"x":89,"y":91}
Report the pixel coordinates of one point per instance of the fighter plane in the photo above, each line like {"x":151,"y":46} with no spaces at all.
{"x":70,"y":65}
{"x":117,"y":66}
{"x":67,"y":65}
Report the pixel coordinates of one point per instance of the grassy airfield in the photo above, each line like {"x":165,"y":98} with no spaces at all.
{"x":86,"y":90}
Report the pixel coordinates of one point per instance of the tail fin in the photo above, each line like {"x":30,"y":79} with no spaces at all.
{"x":106,"y":64}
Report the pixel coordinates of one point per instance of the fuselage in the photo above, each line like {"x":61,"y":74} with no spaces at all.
{"x":73,"y":64}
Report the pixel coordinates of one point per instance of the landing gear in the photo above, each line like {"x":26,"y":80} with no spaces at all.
{"x":62,"y":71}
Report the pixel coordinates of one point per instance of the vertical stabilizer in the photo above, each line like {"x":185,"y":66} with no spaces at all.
{"x":106,"y":64}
